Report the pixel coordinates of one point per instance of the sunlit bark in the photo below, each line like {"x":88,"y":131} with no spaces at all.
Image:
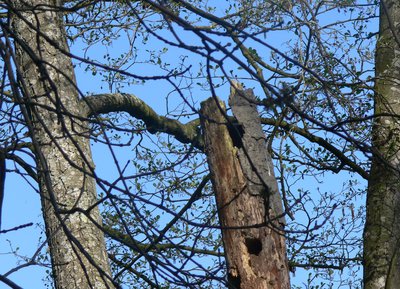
{"x":382,"y":231}
{"x":65,"y":165}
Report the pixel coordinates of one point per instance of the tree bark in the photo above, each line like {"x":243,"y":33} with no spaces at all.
{"x":137,"y":108}
{"x":248,"y":201}
{"x":65,"y":166}
{"x":382,"y":229}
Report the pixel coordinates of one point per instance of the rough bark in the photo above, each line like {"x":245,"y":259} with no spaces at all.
{"x":137,"y":108}
{"x":77,"y":245}
{"x":382,"y":230}
{"x":248,"y":201}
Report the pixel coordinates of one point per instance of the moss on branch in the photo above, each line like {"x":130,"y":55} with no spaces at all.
{"x":137,"y":108}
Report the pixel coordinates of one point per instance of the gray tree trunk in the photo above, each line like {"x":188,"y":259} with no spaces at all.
{"x":64,"y":162}
{"x":382,"y":230}
{"x":248,"y":201}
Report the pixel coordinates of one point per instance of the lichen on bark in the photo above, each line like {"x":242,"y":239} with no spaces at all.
{"x":62,"y":148}
{"x":382,"y":229}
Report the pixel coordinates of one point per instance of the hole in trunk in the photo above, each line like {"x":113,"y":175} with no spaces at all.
{"x":234,"y":282}
{"x":254,"y":246}
{"x":236,"y":132}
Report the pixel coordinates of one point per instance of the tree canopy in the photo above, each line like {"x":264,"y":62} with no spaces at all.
{"x":132,"y":96}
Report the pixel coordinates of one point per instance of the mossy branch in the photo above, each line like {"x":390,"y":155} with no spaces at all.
{"x":137,"y":108}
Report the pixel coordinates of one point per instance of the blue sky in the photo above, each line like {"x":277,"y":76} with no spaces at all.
{"x":22,"y":204}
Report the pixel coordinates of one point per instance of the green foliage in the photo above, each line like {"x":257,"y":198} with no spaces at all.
{"x":160,"y":234}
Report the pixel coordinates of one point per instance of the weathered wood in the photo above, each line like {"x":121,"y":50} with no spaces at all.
{"x":254,"y":158}
{"x":243,"y":178}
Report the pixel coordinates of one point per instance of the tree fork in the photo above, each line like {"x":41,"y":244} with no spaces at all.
{"x":246,"y":191}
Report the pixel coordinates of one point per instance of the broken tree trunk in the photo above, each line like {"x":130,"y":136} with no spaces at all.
{"x":248,"y":201}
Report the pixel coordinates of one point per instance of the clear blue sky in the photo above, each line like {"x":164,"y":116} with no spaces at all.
{"x":22,"y":204}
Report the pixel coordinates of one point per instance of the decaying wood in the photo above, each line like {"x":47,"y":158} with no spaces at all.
{"x":246,"y":193}
{"x":254,"y":158}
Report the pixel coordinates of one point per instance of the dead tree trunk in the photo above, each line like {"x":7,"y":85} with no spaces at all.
{"x":249,"y":204}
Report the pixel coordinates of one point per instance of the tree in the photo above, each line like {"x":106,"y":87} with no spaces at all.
{"x":381,"y":240}
{"x":61,"y":145}
{"x":247,"y":194}
{"x":160,"y":226}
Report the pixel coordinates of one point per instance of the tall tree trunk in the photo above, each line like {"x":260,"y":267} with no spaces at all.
{"x":382,"y":230}
{"x":248,"y":201}
{"x":77,"y":246}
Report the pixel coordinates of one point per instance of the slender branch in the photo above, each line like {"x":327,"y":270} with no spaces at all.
{"x":143,"y":247}
{"x":132,"y":270}
{"x":8,"y":282}
{"x":16,"y":228}
{"x":2,"y":181}
{"x":318,"y":140}
{"x":341,"y":266}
